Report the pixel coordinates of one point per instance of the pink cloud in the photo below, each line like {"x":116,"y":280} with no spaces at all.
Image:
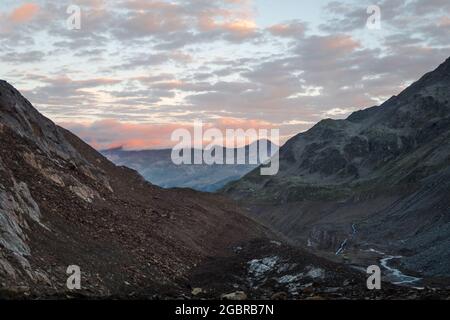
{"x":236,"y":123}
{"x":24,"y":13}
{"x":111,"y":133}
{"x":444,"y":22}
{"x":237,"y":27}
{"x":292,"y":29}
{"x":342,"y":43}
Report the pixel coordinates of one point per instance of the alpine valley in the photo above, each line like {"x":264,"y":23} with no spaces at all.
{"x":371,"y":189}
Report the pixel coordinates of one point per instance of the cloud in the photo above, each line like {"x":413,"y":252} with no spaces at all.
{"x":24,"y":57}
{"x":167,"y":62}
{"x":178,"y":24}
{"x":444,"y":22}
{"x":290,"y":29}
{"x":24,"y":13}
{"x":110,"y":133}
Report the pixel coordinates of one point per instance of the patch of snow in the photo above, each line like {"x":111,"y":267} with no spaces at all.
{"x":375,"y":251}
{"x":315,"y":273}
{"x":289,"y":278}
{"x":286,"y":267}
{"x":258,"y":267}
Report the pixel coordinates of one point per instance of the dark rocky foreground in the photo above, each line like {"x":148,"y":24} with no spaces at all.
{"x":258,"y":270}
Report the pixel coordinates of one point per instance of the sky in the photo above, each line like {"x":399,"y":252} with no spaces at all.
{"x":136,"y":70}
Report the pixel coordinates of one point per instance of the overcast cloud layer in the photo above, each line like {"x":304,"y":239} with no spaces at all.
{"x":139,"y":69}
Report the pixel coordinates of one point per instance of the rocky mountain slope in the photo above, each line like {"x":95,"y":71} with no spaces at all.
{"x":62,"y":203}
{"x":157,"y":166}
{"x":377,"y":181}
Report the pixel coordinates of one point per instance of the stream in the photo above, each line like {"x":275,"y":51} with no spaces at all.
{"x":344,"y":243}
{"x":397,"y":277}
{"x":342,"y":247}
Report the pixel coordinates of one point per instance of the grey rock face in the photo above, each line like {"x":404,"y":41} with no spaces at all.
{"x":18,"y":208}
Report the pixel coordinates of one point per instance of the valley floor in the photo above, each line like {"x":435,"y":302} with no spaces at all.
{"x":265,"y":270}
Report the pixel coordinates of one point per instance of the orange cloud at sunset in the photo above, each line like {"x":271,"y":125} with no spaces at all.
{"x":24,"y":13}
{"x":343,"y":43}
{"x":138,"y":136}
{"x":444,"y":22}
